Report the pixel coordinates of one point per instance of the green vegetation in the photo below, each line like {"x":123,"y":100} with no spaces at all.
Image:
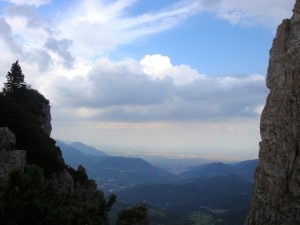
{"x":134,"y":216}
{"x":15,"y":80}
{"x":30,"y":198}
{"x":199,"y":218}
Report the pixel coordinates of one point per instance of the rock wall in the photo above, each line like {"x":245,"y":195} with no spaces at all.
{"x":7,"y":139}
{"x":45,"y":119}
{"x":276,"y":196}
{"x":10,"y":160}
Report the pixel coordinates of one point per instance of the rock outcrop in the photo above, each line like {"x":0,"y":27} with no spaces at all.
{"x":276,"y":196}
{"x":134,"y":216}
{"x":45,"y":119}
{"x":10,"y":159}
{"x":7,"y":139}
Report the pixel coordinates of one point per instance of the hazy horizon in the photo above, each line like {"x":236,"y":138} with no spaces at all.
{"x":148,"y":153}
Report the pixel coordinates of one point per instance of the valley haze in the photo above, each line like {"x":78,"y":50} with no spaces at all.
{"x":179,"y":78}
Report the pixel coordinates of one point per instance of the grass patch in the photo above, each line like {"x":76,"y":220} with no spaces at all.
{"x":200,"y":218}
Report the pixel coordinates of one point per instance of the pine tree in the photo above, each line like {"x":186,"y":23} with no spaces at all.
{"x":15,"y":79}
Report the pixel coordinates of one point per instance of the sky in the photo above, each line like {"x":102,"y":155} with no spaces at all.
{"x":176,"y":78}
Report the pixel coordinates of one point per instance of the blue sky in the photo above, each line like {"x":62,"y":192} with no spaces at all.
{"x":181,"y":78}
{"x":210,"y":45}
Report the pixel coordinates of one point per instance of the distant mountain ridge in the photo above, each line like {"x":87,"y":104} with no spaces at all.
{"x":124,"y":171}
{"x":73,"y":156}
{"x":244,"y":169}
{"x":86,"y":149}
{"x":112,"y":172}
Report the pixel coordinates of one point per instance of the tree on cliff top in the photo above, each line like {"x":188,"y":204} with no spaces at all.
{"x":15,"y":79}
{"x":48,"y":192}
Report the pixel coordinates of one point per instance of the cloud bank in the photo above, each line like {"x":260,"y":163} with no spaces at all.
{"x":132,"y":90}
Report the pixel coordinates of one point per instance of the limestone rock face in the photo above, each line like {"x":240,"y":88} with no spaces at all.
{"x":65,"y":181}
{"x":276,"y":195}
{"x":10,"y":160}
{"x":45,"y":119}
{"x":7,"y":139}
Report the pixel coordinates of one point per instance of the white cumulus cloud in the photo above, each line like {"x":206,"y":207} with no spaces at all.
{"x":159,"y":67}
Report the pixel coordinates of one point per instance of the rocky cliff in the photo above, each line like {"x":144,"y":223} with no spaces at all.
{"x":36,"y":186}
{"x":45,"y":119}
{"x":10,"y":159}
{"x":276,"y":196}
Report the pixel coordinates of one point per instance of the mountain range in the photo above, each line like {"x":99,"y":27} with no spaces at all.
{"x":214,"y":193}
{"x":112,"y":172}
{"x":244,"y":169}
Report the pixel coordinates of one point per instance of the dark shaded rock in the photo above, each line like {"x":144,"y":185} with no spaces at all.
{"x":134,"y":216}
{"x":10,"y":159}
{"x":7,"y":139}
{"x":45,"y":119}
